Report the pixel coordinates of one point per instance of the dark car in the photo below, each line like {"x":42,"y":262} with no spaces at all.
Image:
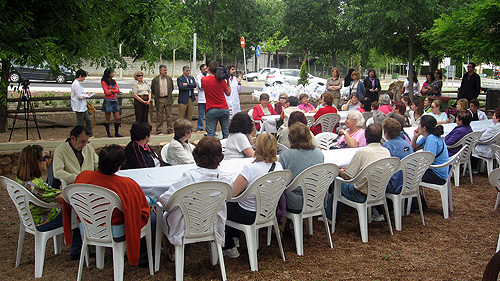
{"x":42,"y":72}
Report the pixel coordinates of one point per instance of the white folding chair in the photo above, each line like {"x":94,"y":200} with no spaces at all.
{"x":314,"y":182}
{"x":199,"y":204}
{"x":489,"y":161}
{"x":95,"y":205}
{"x":413,"y":168}
{"x":494,"y":178}
{"x":445,"y":189}
{"x":164,"y":152}
{"x":261,"y":130}
{"x":496,"y":151}
{"x":267,"y":191}
{"x":223,"y":144}
{"x":326,"y":140}
{"x":328,"y":122}
{"x":22,"y":198}
{"x":469,"y":142}
{"x":377,"y":176}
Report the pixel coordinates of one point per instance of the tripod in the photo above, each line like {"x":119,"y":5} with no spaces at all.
{"x":25,"y":100}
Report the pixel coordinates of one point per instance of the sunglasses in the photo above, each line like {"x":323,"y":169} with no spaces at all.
{"x":140,"y":75}
{"x":44,"y":158}
{"x":282,"y":98}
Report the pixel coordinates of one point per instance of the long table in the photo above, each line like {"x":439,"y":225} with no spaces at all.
{"x":269,"y":121}
{"x":155,"y":181}
{"x":477,"y":126}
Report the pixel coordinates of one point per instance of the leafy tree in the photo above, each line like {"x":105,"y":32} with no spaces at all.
{"x":304,"y":75}
{"x":273,"y":44}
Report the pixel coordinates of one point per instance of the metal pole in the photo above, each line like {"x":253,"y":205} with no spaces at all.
{"x":244,"y":62}
{"x":193,"y":68}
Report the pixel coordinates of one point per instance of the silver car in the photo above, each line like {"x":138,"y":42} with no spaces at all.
{"x":290,"y":76}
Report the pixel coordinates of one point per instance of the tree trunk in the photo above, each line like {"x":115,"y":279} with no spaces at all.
{"x":212,"y":36}
{"x":433,"y":64}
{"x":277,"y":59}
{"x":268,"y":59}
{"x":4,"y":87}
{"x":410,"y":61}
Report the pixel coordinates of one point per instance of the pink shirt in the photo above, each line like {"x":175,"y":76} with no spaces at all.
{"x":358,"y":136}
{"x":306,"y":107}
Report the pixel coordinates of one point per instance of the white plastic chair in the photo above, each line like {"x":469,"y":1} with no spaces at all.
{"x":261,"y":130}
{"x":445,"y":189}
{"x":469,"y":141}
{"x":326,"y":140}
{"x":413,"y":167}
{"x":22,"y":199}
{"x":496,"y":151}
{"x":267,"y":190}
{"x":199,"y":204}
{"x":281,"y":148}
{"x":164,"y":152}
{"x":314,"y":182}
{"x":494,"y":178}
{"x":223,"y":144}
{"x":328,"y":122}
{"x":489,"y":161}
{"x":377,"y":176}
{"x":95,"y":205}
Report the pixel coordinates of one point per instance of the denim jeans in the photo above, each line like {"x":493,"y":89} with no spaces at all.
{"x":349,"y":192}
{"x":202,"y":107}
{"x":215,"y":115}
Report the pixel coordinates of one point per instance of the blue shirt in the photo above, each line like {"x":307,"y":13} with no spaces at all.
{"x":437,"y":146}
{"x":400,"y":148}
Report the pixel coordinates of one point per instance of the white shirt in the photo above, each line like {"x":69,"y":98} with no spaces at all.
{"x":78,"y":97}
{"x":416,"y":88}
{"x":484,"y":150}
{"x":175,"y":225}
{"x":201,"y":92}
{"x":235,"y":145}
{"x":251,"y":172}
{"x":480,"y":115}
{"x":233,"y":101}
{"x":441,"y":117}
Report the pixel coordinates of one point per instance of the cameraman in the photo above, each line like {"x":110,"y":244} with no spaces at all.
{"x":217,"y":109}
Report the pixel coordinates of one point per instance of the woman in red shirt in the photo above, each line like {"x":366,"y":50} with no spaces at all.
{"x":262,"y":109}
{"x":326,"y":101}
{"x":110,"y":103}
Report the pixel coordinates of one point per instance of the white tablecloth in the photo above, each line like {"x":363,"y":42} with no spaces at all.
{"x":155,"y":181}
{"x":269,"y":122}
{"x":477,"y":126}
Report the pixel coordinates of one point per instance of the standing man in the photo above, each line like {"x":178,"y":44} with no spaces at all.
{"x":217,"y":109}
{"x":186,"y":85}
{"x":233,"y":101}
{"x":471,"y":84}
{"x":79,"y":100}
{"x":162,"y":87}
{"x":202,"y":106}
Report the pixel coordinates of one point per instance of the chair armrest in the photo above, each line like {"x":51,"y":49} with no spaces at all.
{"x":43,"y":204}
{"x":244,"y":195}
{"x":457,"y":144}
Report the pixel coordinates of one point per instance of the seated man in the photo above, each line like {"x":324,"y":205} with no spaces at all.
{"x":364,"y":156}
{"x":135,"y":213}
{"x":74,"y":155}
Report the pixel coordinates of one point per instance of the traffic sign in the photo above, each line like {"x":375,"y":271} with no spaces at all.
{"x":242,"y":42}
{"x":257,"y":51}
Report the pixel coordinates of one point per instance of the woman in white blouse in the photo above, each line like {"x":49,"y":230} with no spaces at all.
{"x":417,"y":110}
{"x":239,"y":142}
{"x":180,"y":151}
{"x":142,"y":97}
{"x":441,"y":117}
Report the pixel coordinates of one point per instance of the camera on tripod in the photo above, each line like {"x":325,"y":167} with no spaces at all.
{"x":24,"y":82}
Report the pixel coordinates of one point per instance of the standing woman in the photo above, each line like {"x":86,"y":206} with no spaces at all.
{"x":436,"y":85}
{"x":110,"y":103}
{"x":142,"y":97}
{"x":372,"y":86}
{"x":79,"y":100}
{"x":348,"y":78}
{"x":333,"y":85}
{"x":356,"y":86}
{"x":429,"y":78}
{"x":416,"y":87}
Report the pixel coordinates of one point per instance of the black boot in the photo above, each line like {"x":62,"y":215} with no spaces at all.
{"x":117,"y":127}
{"x":106,"y":125}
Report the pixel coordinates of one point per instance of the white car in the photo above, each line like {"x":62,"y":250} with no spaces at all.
{"x":258,"y":76}
{"x":290,"y":76}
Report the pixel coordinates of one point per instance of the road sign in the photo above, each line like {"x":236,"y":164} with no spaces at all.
{"x":242,"y":42}
{"x":257,"y":51}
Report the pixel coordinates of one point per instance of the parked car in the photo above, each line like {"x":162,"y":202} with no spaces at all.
{"x":259,"y":76}
{"x":42,"y":72}
{"x":290,"y":76}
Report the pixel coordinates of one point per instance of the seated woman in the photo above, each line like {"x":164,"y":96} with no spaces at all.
{"x":135,"y":212}
{"x":239,"y":142}
{"x":476,"y":113}
{"x":326,"y":101}
{"x":180,"y":151}
{"x":463,"y":128}
{"x":399,"y":108}
{"x":244,"y":211}
{"x":262,"y":109}
{"x":441,"y":117}
{"x":428,"y":103}
{"x":305,"y":105}
{"x":138,"y":152}
{"x":385,"y":104}
{"x":301,"y":155}
{"x":207,"y":155}
{"x":281,"y":104}
{"x":292,"y":107}
{"x":295,"y":117}
{"x":417,"y":110}
{"x":431,"y":141}
{"x":484,"y":150}
{"x":462,"y":105}
{"x":354,"y":136}
{"x":352,"y":104}
{"x":398,"y":147}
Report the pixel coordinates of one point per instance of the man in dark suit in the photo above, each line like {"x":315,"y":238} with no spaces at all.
{"x":186,"y":85}
{"x":471,"y":84}
{"x":162,"y":87}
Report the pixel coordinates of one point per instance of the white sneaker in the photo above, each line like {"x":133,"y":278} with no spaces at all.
{"x":376,"y":216}
{"x":231,"y":253}
{"x":236,"y":242}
